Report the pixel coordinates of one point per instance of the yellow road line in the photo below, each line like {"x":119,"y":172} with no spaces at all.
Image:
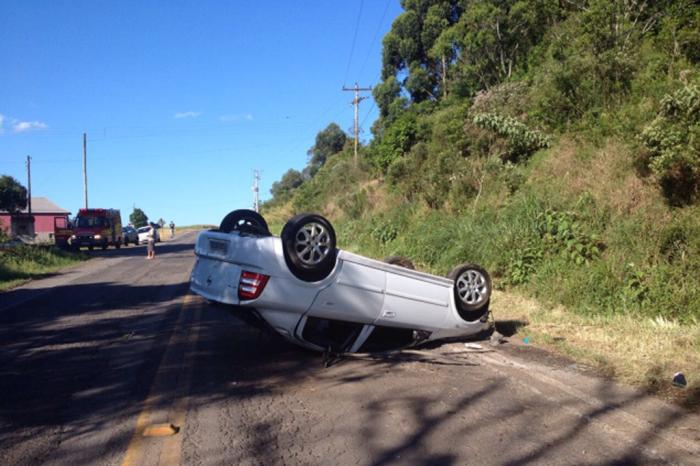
{"x":171,"y":452}
{"x":134,"y":452}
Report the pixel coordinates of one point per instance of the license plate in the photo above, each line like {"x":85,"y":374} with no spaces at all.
{"x":218,"y":247}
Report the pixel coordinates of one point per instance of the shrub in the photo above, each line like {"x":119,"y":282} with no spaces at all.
{"x":396,"y":141}
{"x":562,"y":232}
{"x":521,"y":142}
{"x":673,"y":144}
{"x":354,"y":204}
{"x":523,"y":265}
{"x":385,"y":232}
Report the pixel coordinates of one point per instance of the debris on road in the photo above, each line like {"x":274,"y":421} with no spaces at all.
{"x":497,"y":338}
{"x":161,"y":430}
{"x":679,"y":380}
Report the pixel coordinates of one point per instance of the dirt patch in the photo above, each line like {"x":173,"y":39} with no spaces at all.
{"x":644,"y":353}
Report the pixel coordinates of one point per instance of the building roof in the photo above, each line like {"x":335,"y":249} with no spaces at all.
{"x":43,"y":205}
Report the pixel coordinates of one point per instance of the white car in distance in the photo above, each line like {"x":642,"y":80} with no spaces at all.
{"x":328,"y":299}
{"x":143,"y":235}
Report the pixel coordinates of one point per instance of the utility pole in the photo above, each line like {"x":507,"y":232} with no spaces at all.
{"x":356,"y":102}
{"x":29,"y":186}
{"x":85,"y":185}
{"x":256,"y":190}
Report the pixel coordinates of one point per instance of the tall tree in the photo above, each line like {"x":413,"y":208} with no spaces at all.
{"x":328,"y":142}
{"x":138,"y":218}
{"x":495,"y":36}
{"x":291,"y":180}
{"x":408,"y":48}
{"x":13,"y":196}
{"x":385,"y":93}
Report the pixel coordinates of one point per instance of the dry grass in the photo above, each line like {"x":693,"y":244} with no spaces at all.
{"x":277,"y":216}
{"x":641,"y":352}
{"x":607,"y":174}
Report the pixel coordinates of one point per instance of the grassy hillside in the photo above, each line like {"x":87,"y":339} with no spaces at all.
{"x":572,"y":174}
{"x":23,"y":263}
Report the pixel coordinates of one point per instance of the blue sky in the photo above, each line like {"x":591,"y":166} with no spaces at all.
{"x":181,"y":100}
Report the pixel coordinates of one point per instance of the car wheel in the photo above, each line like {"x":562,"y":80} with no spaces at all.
{"x":472,"y":290}
{"x":245,"y":221}
{"x":401,"y":261}
{"x":308,"y":243}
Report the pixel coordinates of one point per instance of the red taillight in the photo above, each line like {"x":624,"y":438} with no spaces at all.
{"x":251,"y":285}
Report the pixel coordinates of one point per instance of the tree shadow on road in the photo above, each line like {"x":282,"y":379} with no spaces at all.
{"x":72,"y":368}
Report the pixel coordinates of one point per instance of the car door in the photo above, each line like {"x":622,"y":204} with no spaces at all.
{"x":415,"y":300}
{"x":356,"y":293}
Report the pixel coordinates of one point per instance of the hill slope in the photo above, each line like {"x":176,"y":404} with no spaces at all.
{"x":555,"y":143}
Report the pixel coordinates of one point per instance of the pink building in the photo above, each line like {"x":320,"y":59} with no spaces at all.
{"x":44,"y":212}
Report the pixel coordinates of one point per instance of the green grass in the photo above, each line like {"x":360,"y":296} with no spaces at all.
{"x":580,"y":230}
{"x":23,"y":263}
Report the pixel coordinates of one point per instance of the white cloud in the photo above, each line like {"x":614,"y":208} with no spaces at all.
{"x":24,"y":126}
{"x":2,"y":120}
{"x":180,"y":115}
{"x":236,"y":117}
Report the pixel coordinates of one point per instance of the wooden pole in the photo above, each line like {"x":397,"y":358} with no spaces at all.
{"x":356,"y":102}
{"x":29,"y":186}
{"x":85,"y":182}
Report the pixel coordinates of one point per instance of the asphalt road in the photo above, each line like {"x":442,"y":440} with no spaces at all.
{"x":114,"y":363}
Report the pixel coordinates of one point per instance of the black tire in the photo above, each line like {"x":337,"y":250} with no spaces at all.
{"x":401,"y":261}
{"x":309,"y":245}
{"x":245,"y":221}
{"x":472,"y":291}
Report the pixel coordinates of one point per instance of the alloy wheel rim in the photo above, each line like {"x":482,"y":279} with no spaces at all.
{"x":472,"y":287}
{"x":312,"y":243}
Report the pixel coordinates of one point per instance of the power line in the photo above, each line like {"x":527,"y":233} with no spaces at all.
{"x":354,"y":38}
{"x":371,"y":107}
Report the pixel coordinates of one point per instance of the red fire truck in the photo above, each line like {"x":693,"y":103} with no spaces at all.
{"x":62,"y":231}
{"x":97,"y":228}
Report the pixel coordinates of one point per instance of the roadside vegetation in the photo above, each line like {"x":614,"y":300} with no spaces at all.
{"x":19,"y":264}
{"x":555,"y":143}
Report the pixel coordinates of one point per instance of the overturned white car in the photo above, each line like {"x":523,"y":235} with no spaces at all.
{"x":328,"y":299}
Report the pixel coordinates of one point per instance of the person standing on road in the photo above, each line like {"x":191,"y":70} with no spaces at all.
{"x":151,"y":243}
{"x":172,"y":229}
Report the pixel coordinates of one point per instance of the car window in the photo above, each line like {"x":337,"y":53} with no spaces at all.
{"x":334,"y":334}
{"x":90,"y":222}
